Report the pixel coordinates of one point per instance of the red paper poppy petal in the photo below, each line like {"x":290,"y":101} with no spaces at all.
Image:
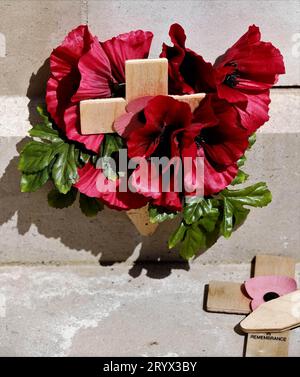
{"x":88,"y":184}
{"x":217,"y":180}
{"x":66,"y":56}
{"x":53,"y":103}
{"x":133,"y":45}
{"x":145,"y":180}
{"x":256,"y":112}
{"x":95,"y":71}
{"x":71,"y":118}
{"x":138,"y":104}
{"x":169,"y":200}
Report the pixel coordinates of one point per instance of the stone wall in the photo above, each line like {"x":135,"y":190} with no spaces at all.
{"x":30,"y":232}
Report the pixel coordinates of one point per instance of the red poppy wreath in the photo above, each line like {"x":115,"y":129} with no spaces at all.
{"x":176,"y":147}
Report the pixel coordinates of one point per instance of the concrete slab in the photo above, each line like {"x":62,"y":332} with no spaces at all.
{"x":103,"y":311}
{"x":212,"y":26}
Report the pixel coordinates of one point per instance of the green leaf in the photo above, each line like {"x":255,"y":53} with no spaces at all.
{"x":81,"y":157}
{"x":193,"y":241}
{"x":32,"y":182}
{"x":58,"y":200}
{"x":90,"y":206}
{"x":43,"y":114}
{"x":35,"y":156}
{"x":52,"y":155}
{"x":64,"y":171}
{"x":195,"y":208}
{"x":209,"y":220}
{"x":257,"y":195}
{"x":177,"y":236}
{"x":84,"y":157}
{"x":252,"y":140}
{"x":159,"y":214}
{"x":111,"y":144}
{"x":241,"y":177}
{"x":227,"y":223}
{"x":108,"y":168}
{"x":241,"y":161}
{"x":45,"y":133}
{"x":233,"y":201}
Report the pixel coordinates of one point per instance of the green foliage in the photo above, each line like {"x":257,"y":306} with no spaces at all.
{"x":241,"y":176}
{"x":204,"y":220}
{"x":110,"y":145}
{"x":32,"y":182}
{"x":234,"y":201}
{"x":49,"y":157}
{"x":159,"y":215}
{"x":178,"y":235}
{"x":195,"y":208}
{"x":193,"y":241}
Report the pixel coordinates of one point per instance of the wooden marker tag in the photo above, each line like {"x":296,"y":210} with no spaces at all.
{"x":277,"y":315}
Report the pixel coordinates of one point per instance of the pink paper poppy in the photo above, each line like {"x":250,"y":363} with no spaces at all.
{"x":265,"y":288}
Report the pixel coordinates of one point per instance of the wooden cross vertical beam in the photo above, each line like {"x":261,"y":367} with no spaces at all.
{"x":231,"y":298}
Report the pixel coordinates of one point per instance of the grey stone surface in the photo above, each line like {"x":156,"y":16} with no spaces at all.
{"x":75,"y":307}
{"x":212,"y":26}
{"x":32,"y":28}
{"x":18,"y":112}
{"x":104,"y":311}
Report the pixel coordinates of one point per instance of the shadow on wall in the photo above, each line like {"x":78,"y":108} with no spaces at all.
{"x":110,"y":235}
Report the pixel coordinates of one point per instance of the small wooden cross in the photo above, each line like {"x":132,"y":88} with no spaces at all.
{"x":229,"y":297}
{"x":144,"y":77}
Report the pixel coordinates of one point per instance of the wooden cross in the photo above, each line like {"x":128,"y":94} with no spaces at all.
{"x":229,"y":297}
{"x":144,"y":77}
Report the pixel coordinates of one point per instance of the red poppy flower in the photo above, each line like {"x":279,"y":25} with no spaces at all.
{"x":93,"y":183}
{"x":242,"y":76}
{"x":220,"y":141}
{"x":166,"y":127}
{"x":186,"y":67}
{"x":151,"y":128}
{"x":82,"y":68}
